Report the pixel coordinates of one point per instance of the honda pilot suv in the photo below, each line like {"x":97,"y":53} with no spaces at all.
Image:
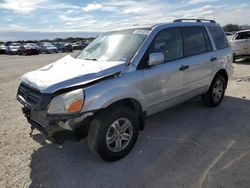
{"x":122,"y":77}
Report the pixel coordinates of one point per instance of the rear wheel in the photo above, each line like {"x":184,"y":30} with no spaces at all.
{"x":215,"y":94}
{"x":113,"y":133}
{"x":234,"y":59}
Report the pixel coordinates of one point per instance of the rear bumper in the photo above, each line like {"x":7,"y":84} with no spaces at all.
{"x":230,"y":71}
{"x":241,"y":52}
{"x":242,"y":55}
{"x":52,"y":50}
{"x":30,"y":51}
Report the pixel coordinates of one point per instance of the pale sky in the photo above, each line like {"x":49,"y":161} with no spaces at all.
{"x":86,"y":16}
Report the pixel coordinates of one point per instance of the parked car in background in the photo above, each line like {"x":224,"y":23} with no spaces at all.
{"x":79,"y":45}
{"x":64,"y":47}
{"x":241,"y":44}
{"x":28,"y":49}
{"x":47,"y":47}
{"x":84,"y":44}
{"x":76,"y":46}
{"x":12,"y":48}
{"x":228,"y":33}
{"x":2,"y":48}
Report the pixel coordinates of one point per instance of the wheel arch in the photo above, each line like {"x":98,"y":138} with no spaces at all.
{"x":134,"y":105}
{"x":224,"y":73}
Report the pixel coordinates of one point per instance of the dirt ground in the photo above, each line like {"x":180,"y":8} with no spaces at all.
{"x":187,"y":146}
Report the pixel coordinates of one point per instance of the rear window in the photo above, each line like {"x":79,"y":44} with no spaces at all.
{"x":219,"y":37}
{"x":194,"y":41}
{"x":243,"y":35}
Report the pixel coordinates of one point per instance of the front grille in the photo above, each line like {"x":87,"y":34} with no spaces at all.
{"x":29,"y":94}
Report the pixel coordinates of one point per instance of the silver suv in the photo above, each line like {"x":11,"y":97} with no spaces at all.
{"x":123,"y":76}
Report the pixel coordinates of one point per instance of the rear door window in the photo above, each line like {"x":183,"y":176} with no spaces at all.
{"x":219,"y":37}
{"x":194,"y":41}
{"x":208,"y":43}
{"x":243,"y":35}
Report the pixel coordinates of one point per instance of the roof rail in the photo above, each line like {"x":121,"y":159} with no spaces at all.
{"x":197,"y":20}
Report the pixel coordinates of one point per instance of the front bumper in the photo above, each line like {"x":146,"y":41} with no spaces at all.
{"x":52,"y":50}
{"x":56,"y":128}
{"x":13,"y":52}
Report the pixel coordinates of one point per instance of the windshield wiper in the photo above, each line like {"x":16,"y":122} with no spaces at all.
{"x":91,"y":59}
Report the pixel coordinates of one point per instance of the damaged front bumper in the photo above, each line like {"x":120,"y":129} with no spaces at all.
{"x":56,"y":128}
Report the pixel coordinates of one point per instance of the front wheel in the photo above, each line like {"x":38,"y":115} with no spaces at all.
{"x":113,"y":133}
{"x":215,"y":94}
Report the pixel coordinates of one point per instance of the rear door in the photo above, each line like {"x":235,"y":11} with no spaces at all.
{"x":241,"y":43}
{"x":198,"y":57}
{"x":222,"y":53}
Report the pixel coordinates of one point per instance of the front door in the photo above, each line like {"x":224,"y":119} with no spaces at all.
{"x":163,"y":82}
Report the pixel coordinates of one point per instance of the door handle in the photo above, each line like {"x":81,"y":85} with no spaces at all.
{"x":183,"y":67}
{"x":213,"y":59}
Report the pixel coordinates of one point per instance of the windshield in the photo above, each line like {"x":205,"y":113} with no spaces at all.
{"x":14,"y":44}
{"x":59,"y":45}
{"x":30,"y":45}
{"x":47,"y":44}
{"x":114,"y":46}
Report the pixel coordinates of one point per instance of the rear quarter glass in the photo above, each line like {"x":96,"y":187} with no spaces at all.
{"x":219,"y":37}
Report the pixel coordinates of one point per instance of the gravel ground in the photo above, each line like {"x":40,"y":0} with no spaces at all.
{"x":187,"y":146}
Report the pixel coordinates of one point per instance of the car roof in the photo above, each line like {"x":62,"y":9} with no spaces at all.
{"x":175,"y":23}
{"x":188,"y":22}
{"x":243,"y":31}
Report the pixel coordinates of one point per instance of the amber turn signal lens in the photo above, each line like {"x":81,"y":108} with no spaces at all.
{"x":76,"y":106}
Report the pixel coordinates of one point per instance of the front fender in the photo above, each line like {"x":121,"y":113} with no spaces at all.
{"x":104,"y":99}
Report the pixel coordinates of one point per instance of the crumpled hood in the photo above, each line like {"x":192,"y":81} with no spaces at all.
{"x":68,"y":72}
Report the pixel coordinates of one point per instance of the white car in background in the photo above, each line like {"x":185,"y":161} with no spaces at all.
{"x":12,"y":49}
{"x":241,"y":44}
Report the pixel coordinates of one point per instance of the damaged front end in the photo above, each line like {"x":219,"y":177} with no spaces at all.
{"x":53,"y":96}
{"x":56,"y":127}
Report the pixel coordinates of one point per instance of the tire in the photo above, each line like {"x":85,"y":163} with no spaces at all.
{"x":234,"y":59}
{"x":103,"y":126}
{"x":212,"y":97}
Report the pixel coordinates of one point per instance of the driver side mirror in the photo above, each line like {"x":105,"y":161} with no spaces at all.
{"x":156,"y":58}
